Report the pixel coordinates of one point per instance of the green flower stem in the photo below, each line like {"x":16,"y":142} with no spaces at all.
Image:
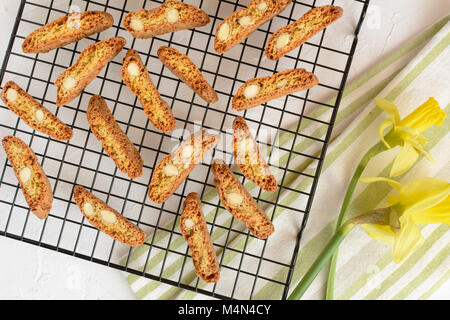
{"x":376,"y":149}
{"x":381,"y":216}
{"x":321,"y":260}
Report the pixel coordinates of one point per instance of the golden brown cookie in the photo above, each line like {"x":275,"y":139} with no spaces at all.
{"x":243,"y":22}
{"x":113,"y":139}
{"x":137,"y":79}
{"x":106,"y":219}
{"x":175,"y":167}
{"x":32,"y":179}
{"x":295,"y":34}
{"x":187,"y":71}
{"x":194,"y":230}
{"x":260,"y":90}
{"x":248,"y":157}
{"x":239,"y":202}
{"x":65,"y":30}
{"x":171,"y":16}
{"x":33,"y":113}
{"x":91,"y":61}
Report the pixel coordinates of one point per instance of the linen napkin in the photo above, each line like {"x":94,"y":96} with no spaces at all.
{"x":365,"y":269}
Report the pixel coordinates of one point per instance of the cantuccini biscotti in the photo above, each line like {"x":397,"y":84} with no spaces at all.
{"x":248,"y":157}
{"x":106,"y":219}
{"x":137,"y":79}
{"x":194,"y":230}
{"x":114,"y":141}
{"x":239,"y":202}
{"x":169,"y":17}
{"x":65,"y":30}
{"x":243,"y":22}
{"x":91,"y":61}
{"x":33,"y":113}
{"x":173,"y":169}
{"x":298,"y":32}
{"x":187,"y":71}
{"x":32,"y":179}
{"x":260,"y":90}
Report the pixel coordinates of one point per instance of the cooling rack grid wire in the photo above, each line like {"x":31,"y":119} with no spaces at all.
{"x":294,"y":130}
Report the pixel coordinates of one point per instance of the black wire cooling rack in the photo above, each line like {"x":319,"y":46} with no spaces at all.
{"x":295,"y":131}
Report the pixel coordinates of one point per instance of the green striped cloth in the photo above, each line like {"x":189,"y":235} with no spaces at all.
{"x":365,"y":269}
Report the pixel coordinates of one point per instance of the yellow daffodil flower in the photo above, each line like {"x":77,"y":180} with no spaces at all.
{"x":407,"y":132}
{"x":423,"y":201}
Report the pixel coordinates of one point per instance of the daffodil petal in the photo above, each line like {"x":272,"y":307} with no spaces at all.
{"x":427,"y":155}
{"x":419,"y":148}
{"x":392,"y":200}
{"x":404,"y":160}
{"x":415,"y":138}
{"x":424,"y":193}
{"x":437,"y":214}
{"x":407,"y":131}
{"x":408,"y":239}
{"x":396,"y":185}
{"x":385,"y":124}
{"x":379,"y":232}
{"x":389,"y":107}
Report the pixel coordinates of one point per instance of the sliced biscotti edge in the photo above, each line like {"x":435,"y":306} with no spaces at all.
{"x":243,"y":22}
{"x":32,"y":179}
{"x":33,"y":113}
{"x":65,"y":30}
{"x":195,"y":231}
{"x":115,"y":142}
{"x":239,"y":202}
{"x":187,"y":71}
{"x":260,"y":90}
{"x":173,"y":169}
{"x":293,"y":35}
{"x":248,"y":157}
{"x":106,"y":219}
{"x":136,"y":77}
{"x":91,"y":61}
{"x":171,"y":16}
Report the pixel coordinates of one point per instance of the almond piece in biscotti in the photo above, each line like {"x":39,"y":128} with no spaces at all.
{"x":174,"y":168}
{"x":65,"y":30}
{"x":106,"y":219}
{"x":243,"y":22}
{"x":248,"y":157}
{"x":194,"y":230}
{"x":187,"y":71}
{"x":137,"y":79}
{"x":34,"y":183}
{"x":114,"y":141}
{"x":33,"y":113}
{"x":239,"y":202}
{"x":91,"y":61}
{"x":295,"y":34}
{"x":260,"y":90}
{"x":169,"y":17}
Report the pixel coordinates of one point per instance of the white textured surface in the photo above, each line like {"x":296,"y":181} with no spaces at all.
{"x":30,"y":272}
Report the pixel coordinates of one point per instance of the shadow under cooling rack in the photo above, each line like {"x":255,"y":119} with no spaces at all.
{"x":294,"y":131}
